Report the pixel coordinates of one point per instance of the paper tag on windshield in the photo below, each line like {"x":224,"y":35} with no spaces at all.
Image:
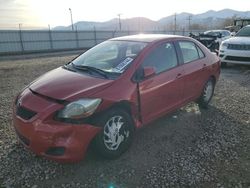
{"x":123,"y":64}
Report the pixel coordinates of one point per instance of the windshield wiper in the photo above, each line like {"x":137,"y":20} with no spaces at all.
{"x":66,"y":66}
{"x":89,"y":68}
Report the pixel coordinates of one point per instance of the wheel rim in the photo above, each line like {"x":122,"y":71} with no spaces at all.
{"x":114,"y":132}
{"x":208,"y":91}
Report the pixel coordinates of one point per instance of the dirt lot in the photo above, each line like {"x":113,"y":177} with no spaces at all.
{"x":190,"y":148}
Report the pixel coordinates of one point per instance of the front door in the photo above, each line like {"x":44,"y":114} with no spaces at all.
{"x":161,"y":92}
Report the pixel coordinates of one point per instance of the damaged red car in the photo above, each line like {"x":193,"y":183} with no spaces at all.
{"x":104,"y":95}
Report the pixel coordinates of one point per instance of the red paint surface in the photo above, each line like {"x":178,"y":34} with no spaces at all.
{"x":159,"y":94}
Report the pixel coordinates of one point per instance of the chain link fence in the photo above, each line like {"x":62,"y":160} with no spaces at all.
{"x":32,"y":41}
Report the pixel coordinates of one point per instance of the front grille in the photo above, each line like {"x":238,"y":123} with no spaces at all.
{"x":24,"y":113}
{"x":236,"y":58}
{"x":23,"y":139}
{"x":238,"y":46}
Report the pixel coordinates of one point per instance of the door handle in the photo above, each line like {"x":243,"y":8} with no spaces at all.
{"x":178,"y":75}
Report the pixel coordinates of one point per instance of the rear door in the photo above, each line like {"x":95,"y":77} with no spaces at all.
{"x":162,"y":91}
{"x":195,"y":69}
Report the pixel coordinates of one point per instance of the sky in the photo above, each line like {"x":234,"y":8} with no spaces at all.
{"x":40,"y":13}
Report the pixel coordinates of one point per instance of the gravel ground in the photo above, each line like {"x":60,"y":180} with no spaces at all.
{"x":189,"y":148}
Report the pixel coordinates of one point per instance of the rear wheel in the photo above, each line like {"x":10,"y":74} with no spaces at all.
{"x":207,"y":93}
{"x":117,"y":133}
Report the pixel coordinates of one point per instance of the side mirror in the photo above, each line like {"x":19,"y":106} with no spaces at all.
{"x":142,"y":73}
{"x":148,"y":71}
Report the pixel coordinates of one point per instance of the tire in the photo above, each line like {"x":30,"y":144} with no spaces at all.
{"x":114,"y":139}
{"x":207,"y":94}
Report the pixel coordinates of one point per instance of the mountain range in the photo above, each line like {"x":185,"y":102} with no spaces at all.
{"x":214,"y":18}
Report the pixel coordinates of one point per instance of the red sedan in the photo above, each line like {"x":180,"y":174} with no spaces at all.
{"x":106,"y":93}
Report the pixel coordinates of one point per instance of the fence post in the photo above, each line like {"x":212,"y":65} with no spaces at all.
{"x":77,"y":39}
{"x":95,"y":36}
{"x":21,"y":39}
{"x":50,"y":40}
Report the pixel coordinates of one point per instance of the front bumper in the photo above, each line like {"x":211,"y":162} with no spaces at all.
{"x":54,"y":140}
{"x":235,"y":56}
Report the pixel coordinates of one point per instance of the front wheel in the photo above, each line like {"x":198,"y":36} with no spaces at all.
{"x":207,"y":93}
{"x":117,"y":133}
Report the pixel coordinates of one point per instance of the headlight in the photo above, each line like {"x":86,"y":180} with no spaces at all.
{"x":79,"y":109}
{"x":224,"y":45}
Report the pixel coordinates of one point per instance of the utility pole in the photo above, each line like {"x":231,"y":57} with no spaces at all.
{"x":140,"y":24}
{"x":70,"y":11}
{"x":189,"y":22}
{"x":174,"y":23}
{"x":20,"y":27}
{"x":120,"y":24}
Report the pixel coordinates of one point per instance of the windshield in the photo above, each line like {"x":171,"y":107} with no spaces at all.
{"x":244,"y":32}
{"x":110,"y":56}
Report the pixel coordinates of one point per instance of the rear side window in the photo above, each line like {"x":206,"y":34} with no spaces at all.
{"x":162,"y":58}
{"x":189,"y":51}
{"x":201,"y":54}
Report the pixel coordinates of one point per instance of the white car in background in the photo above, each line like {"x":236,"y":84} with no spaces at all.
{"x":236,"y":49}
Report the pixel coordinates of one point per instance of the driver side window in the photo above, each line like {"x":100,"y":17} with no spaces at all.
{"x":162,"y":58}
{"x":107,"y":54}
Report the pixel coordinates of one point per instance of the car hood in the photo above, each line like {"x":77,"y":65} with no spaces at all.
{"x":67,"y":85}
{"x":238,"y":40}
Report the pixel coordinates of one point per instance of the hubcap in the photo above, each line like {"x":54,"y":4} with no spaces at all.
{"x":114,"y":132}
{"x":208,"y":91}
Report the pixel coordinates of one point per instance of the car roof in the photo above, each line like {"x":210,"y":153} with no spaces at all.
{"x":147,"y":37}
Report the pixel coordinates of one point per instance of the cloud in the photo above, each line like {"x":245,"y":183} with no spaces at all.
{"x":13,"y":12}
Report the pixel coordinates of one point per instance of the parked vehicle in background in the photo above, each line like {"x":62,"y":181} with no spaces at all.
{"x":236,"y":49}
{"x":238,"y":24}
{"x":212,"y":38}
{"x":108,"y":92}
{"x":220,"y":34}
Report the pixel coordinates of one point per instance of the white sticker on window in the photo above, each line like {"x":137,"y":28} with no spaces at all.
{"x":123,"y":64}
